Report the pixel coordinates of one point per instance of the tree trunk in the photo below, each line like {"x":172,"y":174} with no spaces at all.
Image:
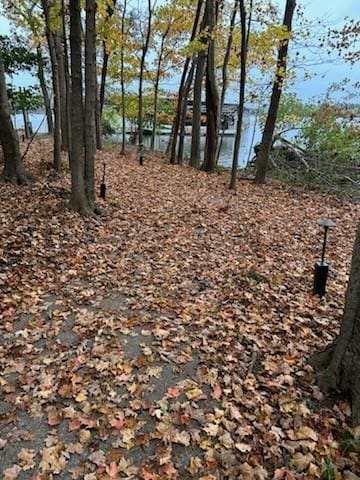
{"x":198,"y":82}
{"x":104,"y":69}
{"x":122,"y":80}
{"x":90,"y":96}
{"x":145,"y":48}
{"x":212,"y":97}
{"x":13,"y":167}
{"x":66,"y":71}
{"x":156,"y":88}
{"x":79,"y":200}
{"x":176,"y":123}
{"x":62,"y":89}
{"x":56,"y":86}
{"x":196,"y":116}
{"x":224,"y":72}
{"x":27,"y":124}
{"x":98,"y":132}
{"x":338,"y":367}
{"x":184,"y":105}
{"x":243,"y":56}
{"x":262,"y":159}
{"x":44,"y":90}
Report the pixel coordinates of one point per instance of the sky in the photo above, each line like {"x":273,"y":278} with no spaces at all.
{"x":333,"y":13}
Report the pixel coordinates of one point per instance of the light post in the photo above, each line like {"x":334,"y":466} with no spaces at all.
{"x":322,"y":268}
{"x":103,"y":185}
{"x":141,"y":156}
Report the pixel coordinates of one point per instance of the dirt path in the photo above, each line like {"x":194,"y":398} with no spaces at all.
{"x":170,"y":339}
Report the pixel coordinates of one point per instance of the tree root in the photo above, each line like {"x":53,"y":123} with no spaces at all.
{"x":18,"y":178}
{"x":83,"y":208}
{"x":341,"y":377}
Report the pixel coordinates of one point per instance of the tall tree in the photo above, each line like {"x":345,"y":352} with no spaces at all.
{"x":90,"y":99}
{"x":122,"y":78}
{"x":181,"y":91}
{"x":164,"y":34}
{"x":197,"y":98}
{"x":262,"y":158}
{"x":55,"y":83}
{"x":105,"y":60}
{"x":224,"y":70}
{"x":98,"y":132}
{"x":66,"y":69}
{"x":211,"y":90}
{"x":144,"y":50}
{"x":62,"y":89}
{"x":13,"y":166}
{"x":243,"y":55}
{"x":184,"y":109}
{"x":44,"y":89}
{"x":338,"y":366}
{"x":80,"y":199}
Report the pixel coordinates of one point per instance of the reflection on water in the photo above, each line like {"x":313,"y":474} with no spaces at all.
{"x":161,"y":141}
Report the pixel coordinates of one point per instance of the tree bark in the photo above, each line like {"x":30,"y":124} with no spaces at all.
{"x":212,"y":97}
{"x":104,"y":68}
{"x":198,"y":83}
{"x":184,"y":105}
{"x":56,"y":87}
{"x":98,"y":132}
{"x":338,"y":367}
{"x":27,"y":124}
{"x":262,"y":159}
{"x":196,"y":115}
{"x":156,"y":87}
{"x":90,"y":98}
{"x":78,"y":200}
{"x":44,"y":90}
{"x":224,"y":71}
{"x":145,"y":48}
{"x":66,"y":71}
{"x":62,"y":90}
{"x":122,"y":80}
{"x":13,"y":167}
{"x":176,"y":122}
{"x":243,"y":56}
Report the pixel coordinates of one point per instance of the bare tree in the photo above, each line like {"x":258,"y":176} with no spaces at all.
{"x":262,"y":158}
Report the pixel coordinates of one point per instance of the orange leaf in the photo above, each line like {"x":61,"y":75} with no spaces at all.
{"x":173,"y":392}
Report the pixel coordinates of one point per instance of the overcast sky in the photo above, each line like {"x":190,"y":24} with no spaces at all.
{"x":333,"y":13}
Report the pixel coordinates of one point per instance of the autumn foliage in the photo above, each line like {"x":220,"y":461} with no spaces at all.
{"x":170,"y":338}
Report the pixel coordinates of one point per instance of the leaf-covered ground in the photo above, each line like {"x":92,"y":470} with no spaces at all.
{"x":170,"y":339}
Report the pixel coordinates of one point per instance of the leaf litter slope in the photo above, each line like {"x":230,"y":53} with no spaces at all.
{"x":171,"y":338}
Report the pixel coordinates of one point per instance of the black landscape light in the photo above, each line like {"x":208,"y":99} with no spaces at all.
{"x":322,"y":268}
{"x":141,"y":156}
{"x":103,"y":185}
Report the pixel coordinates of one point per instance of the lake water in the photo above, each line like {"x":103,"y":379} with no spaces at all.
{"x":161,"y":141}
